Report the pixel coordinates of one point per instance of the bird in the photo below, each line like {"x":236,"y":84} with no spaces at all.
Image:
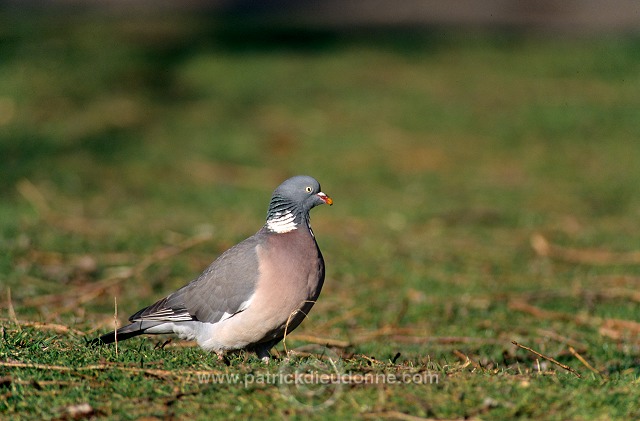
{"x":253,"y":294}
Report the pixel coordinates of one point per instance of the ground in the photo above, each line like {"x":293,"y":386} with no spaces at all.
{"x":485,"y":189}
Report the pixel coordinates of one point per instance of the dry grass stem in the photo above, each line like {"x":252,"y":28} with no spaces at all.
{"x":286,"y":327}
{"x":34,"y":196}
{"x":559,"y":364}
{"x":11,"y":310}
{"x":102,"y":367}
{"x":323,"y":341}
{"x":585,"y":256}
{"x":583,"y":361}
{"x":397,"y":415}
{"x":538,"y":312}
{"x":444,"y":340}
{"x":56,"y":327}
{"x":412,"y":335}
{"x":613,"y":328}
{"x":465,"y":358}
{"x":115,"y":322}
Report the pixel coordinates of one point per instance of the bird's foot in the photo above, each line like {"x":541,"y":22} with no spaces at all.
{"x":264,"y":355}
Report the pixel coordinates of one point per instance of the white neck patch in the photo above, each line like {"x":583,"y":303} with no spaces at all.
{"x":282,"y":222}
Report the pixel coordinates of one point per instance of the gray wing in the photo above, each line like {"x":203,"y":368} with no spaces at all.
{"x":222,"y":290}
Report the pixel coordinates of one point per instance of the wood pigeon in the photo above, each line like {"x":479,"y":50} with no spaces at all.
{"x":256,"y":292}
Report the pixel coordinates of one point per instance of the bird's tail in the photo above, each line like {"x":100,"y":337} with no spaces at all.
{"x":122,"y":334}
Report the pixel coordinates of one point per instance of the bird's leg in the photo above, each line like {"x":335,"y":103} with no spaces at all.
{"x":263,"y":354}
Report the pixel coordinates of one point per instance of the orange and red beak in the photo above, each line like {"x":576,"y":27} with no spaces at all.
{"x":326,"y":199}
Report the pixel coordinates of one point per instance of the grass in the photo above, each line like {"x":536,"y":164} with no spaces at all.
{"x":134,"y":151}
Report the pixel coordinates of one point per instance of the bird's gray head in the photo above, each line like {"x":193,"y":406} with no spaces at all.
{"x":291,"y":202}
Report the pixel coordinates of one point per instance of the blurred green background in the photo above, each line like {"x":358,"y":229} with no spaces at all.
{"x":445,"y":150}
